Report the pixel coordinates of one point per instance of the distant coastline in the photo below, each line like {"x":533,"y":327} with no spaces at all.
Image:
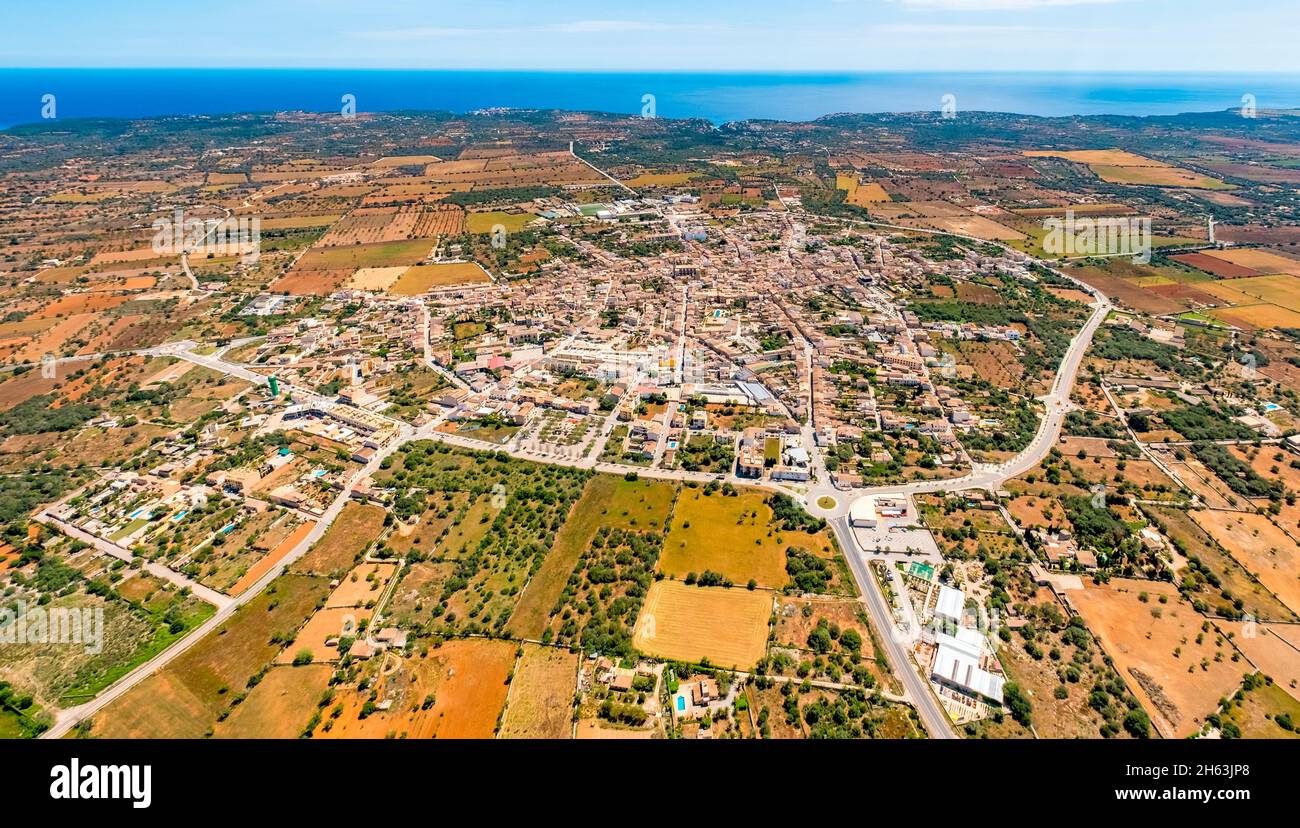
{"x":715,"y":96}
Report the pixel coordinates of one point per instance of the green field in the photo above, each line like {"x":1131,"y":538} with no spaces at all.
{"x":606,"y":501}
{"x":380,"y":254}
{"x":484,"y":222}
{"x":733,"y":536}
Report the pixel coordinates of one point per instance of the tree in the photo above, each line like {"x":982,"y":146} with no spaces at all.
{"x":1017,"y":703}
{"x":1137,"y":723}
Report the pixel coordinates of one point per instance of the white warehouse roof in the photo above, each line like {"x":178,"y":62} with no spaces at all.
{"x":951,"y":603}
{"x":957,"y":661}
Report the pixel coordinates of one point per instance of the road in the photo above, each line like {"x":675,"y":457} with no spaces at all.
{"x":916,"y":688}
{"x":1056,"y":406}
{"x":114,"y":550}
{"x":67,"y":719}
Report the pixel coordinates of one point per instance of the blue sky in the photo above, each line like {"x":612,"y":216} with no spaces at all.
{"x":788,"y":35}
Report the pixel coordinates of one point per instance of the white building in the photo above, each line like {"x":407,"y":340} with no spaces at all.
{"x":951,"y":604}
{"x":862,"y":513}
{"x":957,"y":661}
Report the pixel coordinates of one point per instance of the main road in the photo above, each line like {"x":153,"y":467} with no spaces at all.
{"x":1056,"y":405}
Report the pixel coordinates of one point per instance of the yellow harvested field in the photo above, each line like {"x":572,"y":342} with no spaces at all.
{"x":977,"y":226}
{"x":421,"y":278}
{"x":732,"y":536}
{"x":661,"y":179}
{"x":484,"y":222}
{"x":376,"y":278}
{"x":1117,"y":166}
{"x":859,"y":193}
{"x":388,"y":162}
{"x":1257,"y":301}
{"x":1264,"y":261}
{"x":1178,"y":674}
{"x":1157,"y":177}
{"x":1257,"y":316}
{"x":1261,"y":547}
{"x":1113,"y":157}
{"x":381,"y":254}
{"x":280,"y":706}
{"x":540,"y":702}
{"x":140,"y":254}
{"x":1272,"y":648}
{"x":687,"y":623}
{"x":1280,"y":289}
{"x":356,"y":526}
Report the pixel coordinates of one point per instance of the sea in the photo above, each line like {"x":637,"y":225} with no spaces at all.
{"x":714,"y":96}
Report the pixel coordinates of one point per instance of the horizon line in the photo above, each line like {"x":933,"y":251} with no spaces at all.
{"x":578,"y":70}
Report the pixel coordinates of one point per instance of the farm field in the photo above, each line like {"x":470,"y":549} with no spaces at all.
{"x":416,"y":280}
{"x":968,"y":225}
{"x":1261,"y":547}
{"x":606,"y":501}
{"x":184,"y":699}
{"x":1274,"y":649}
{"x":280,"y":706}
{"x":375,"y":225}
{"x":484,"y":222}
{"x":464,"y":678}
{"x":1261,"y":261}
{"x":311,"y":642}
{"x":424,"y":535}
{"x":352,"y":257}
{"x":687,"y":623}
{"x":859,"y":193}
{"x":661,"y":179}
{"x":354,"y":529}
{"x":540,"y":701}
{"x":376,"y":278}
{"x":1282,"y":290}
{"x":1256,"y":708}
{"x":1117,"y":166}
{"x":362,"y":586}
{"x":733,"y":536}
{"x":1254,"y":317}
{"x":1179,"y":525}
{"x":1213,"y":264}
{"x":1162,"y":648}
